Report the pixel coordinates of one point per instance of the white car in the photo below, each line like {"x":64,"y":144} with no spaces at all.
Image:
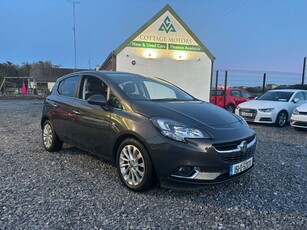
{"x":273,"y":107}
{"x":299,"y":117}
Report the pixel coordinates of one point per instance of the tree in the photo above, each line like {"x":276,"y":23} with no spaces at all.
{"x":24,"y":70}
{"x":37,"y":70}
{"x":8,"y":69}
{"x":42,"y":69}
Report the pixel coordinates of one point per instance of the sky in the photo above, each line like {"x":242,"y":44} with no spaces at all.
{"x":264,"y":35}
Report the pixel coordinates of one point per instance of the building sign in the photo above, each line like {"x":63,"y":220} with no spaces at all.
{"x":184,"y":47}
{"x":166,"y":33}
{"x":167,"y":26}
{"x":148,"y":45}
{"x":153,"y":45}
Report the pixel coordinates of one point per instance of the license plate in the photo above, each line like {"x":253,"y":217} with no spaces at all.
{"x":246,"y":114}
{"x":240,"y":167}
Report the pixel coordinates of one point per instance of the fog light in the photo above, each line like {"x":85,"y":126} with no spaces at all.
{"x":185,"y":170}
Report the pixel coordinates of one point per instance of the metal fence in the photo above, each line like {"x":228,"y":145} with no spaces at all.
{"x":257,"y":80}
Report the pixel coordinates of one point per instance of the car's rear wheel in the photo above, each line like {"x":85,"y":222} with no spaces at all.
{"x":230,"y":108}
{"x":281,"y":119}
{"x":134,"y":165}
{"x":50,"y":139}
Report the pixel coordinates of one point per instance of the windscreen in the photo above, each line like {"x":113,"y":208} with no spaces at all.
{"x":276,"y":96}
{"x":142,"y":88}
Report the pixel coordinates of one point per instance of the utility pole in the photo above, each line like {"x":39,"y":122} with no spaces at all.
{"x":303,"y":74}
{"x":74,"y":29}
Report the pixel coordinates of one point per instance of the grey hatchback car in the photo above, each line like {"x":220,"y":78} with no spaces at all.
{"x":152,"y":131}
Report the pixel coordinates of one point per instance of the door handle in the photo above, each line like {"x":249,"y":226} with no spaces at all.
{"x":77,"y":112}
{"x":54,"y":105}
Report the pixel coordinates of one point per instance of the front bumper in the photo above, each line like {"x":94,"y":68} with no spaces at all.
{"x":205,"y":163}
{"x":180,"y":184}
{"x":299,"y":121}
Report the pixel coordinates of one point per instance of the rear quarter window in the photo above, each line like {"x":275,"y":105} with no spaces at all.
{"x":217,"y":92}
{"x":235,"y":93}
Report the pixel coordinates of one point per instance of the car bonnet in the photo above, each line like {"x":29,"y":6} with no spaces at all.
{"x":188,"y":112}
{"x":220,"y":124}
{"x":262,"y":104}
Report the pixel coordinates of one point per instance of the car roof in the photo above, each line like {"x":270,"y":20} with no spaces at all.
{"x":235,"y":89}
{"x":286,"y":90}
{"x":95,"y":72}
{"x":107,"y":74}
{"x":231,"y":89}
{"x":102,"y":72}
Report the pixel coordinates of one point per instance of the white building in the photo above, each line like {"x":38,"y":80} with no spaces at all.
{"x":166,"y":48}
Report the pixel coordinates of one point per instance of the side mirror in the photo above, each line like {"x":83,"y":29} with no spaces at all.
{"x":97,"y":100}
{"x":296,"y":100}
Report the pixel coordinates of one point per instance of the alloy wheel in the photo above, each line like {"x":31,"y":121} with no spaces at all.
{"x":131,"y":164}
{"x":47,"y":135}
{"x":230,"y":108}
{"x":282,"y":119}
{"x":51,"y":141}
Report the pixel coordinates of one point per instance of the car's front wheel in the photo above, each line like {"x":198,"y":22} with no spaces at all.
{"x":134,"y":165}
{"x":50,"y":139}
{"x":281,"y":119}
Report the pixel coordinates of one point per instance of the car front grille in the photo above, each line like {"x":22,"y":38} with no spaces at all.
{"x":244,"y":112}
{"x":232,"y":145}
{"x":265,"y":119}
{"x":231,"y":153}
{"x":299,"y":123}
{"x":302,"y":113}
{"x":236,"y":157}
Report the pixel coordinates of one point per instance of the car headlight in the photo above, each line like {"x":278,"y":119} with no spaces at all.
{"x":268,"y":110}
{"x":241,"y":119}
{"x":296,"y":112}
{"x":176,"y":130}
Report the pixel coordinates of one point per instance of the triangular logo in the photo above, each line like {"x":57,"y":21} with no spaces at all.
{"x":167,"y":26}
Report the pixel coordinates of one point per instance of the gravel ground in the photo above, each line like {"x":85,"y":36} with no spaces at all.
{"x":75,"y":190}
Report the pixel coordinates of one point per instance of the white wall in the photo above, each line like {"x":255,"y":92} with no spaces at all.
{"x":192,"y":74}
{"x":50,"y":85}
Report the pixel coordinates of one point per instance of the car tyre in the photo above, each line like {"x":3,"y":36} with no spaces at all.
{"x":281,"y":119}
{"x":134,"y":166}
{"x":230,"y":108}
{"x":50,"y":140}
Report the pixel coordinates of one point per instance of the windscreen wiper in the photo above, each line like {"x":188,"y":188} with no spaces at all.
{"x":165,"y":99}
